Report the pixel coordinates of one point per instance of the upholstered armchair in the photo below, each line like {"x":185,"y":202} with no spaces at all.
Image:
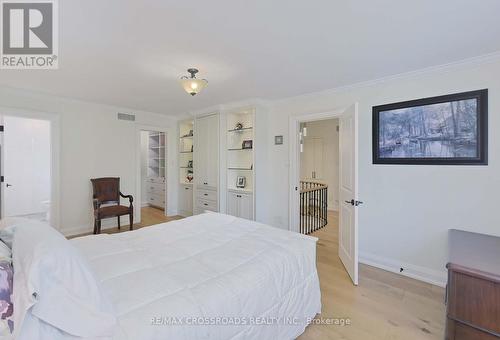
{"x":106,"y":200}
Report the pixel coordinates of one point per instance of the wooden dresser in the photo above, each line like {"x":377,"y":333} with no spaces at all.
{"x":473,"y":290}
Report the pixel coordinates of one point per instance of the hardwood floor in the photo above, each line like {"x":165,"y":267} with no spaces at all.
{"x":149,"y":216}
{"x":384,"y":306}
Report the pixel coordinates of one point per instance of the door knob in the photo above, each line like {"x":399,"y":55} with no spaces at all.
{"x":8,"y":185}
{"x":354,"y":202}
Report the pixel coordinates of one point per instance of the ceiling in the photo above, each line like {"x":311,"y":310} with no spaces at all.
{"x":130,"y":53}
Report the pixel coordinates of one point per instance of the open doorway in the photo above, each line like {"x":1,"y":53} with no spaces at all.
{"x":324,"y":178}
{"x":153,"y":172}
{"x":26,"y":156}
{"x":319,"y":173}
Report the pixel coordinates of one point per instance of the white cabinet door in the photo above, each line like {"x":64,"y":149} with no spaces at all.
{"x":200,"y":150}
{"x":245,"y":206}
{"x":206,"y":149}
{"x":312,"y":159}
{"x":186,"y":198}
{"x":212,"y":152}
{"x":232,"y":204}
{"x":240,"y":205}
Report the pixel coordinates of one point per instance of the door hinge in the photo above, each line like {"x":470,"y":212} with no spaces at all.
{"x":1,"y":128}
{"x":1,"y":179}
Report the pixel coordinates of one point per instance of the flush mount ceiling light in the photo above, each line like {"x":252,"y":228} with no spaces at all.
{"x":191,"y":84}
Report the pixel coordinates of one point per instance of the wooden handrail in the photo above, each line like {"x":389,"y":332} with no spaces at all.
{"x":317,"y":186}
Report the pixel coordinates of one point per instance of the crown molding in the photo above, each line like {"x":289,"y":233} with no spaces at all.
{"x":443,"y":68}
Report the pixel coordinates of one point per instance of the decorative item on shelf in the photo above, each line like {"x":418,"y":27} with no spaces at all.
{"x":189,"y":175}
{"x":190,"y":164}
{"x":238,"y":126}
{"x":241,"y":181}
{"x":190,"y":134}
{"x":247,"y":144}
{"x":191,"y":84}
{"x":192,"y":148}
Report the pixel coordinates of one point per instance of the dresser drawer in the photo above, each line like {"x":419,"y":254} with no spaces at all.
{"x":155,"y":187}
{"x":474,"y":300}
{"x":207,"y":195}
{"x":202,"y":205}
{"x":458,"y":331}
{"x":157,"y":200}
{"x":158,"y":180}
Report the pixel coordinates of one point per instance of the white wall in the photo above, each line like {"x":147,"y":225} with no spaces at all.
{"x":327,"y":131}
{"x":93,"y":143}
{"x":26,"y":165}
{"x":408,"y":209}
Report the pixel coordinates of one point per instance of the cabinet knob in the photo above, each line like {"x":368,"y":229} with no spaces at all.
{"x":186,"y":188}
{"x":205,"y":194}
{"x":206,"y":204}
{"x":238,"y":196}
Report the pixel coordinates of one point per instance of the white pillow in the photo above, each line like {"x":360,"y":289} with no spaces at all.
{"x":7,"y":227}
{"x":55,"y":287}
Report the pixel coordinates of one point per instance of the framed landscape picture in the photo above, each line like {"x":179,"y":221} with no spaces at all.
{"x":444,"y":130}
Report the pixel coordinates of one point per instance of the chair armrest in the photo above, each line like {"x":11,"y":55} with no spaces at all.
{"x":130,"y":198}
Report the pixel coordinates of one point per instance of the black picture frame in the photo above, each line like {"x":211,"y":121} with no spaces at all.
{"x":481,"y":139}
{"x":247,"y":144}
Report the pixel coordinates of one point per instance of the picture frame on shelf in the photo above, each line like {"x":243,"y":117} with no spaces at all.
{"x":247,"y":144}
{"x":241,"y":182}
{"x":190,"y":164}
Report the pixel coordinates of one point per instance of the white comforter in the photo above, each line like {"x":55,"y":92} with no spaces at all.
{"x":210,"y":276}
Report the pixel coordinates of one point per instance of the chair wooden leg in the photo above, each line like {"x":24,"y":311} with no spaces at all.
{"x":119,"y":223}
{"x":131,"y":217}
{"x":99,"y":226}
{"x":95,"y":226}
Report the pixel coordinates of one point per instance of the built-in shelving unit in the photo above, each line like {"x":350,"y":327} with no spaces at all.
{"x":156,"y":154}
{"x":186,"y":170}
{"x":153,"y":168}
{"x":240,"y":158}
{"x":186,"y":134}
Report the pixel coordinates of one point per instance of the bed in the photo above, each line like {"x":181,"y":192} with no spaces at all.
{"x":209,"y":276}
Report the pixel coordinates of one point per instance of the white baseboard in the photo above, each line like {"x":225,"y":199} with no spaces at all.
{"x":431,"y":276}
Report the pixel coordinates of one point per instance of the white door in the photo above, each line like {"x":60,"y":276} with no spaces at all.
{"x":348,"y":226}
{"x":26,"y":157}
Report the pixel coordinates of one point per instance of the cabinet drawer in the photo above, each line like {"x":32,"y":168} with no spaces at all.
{"x":158,"y":180}
{"x":155,"y":187}
{"x":157,"y":200}
{"x":205,"y":185}
{"x":202,"y":205}
{"x":474,"y":300}
{"x":458,"y":331}
{"x":207,"y":195}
